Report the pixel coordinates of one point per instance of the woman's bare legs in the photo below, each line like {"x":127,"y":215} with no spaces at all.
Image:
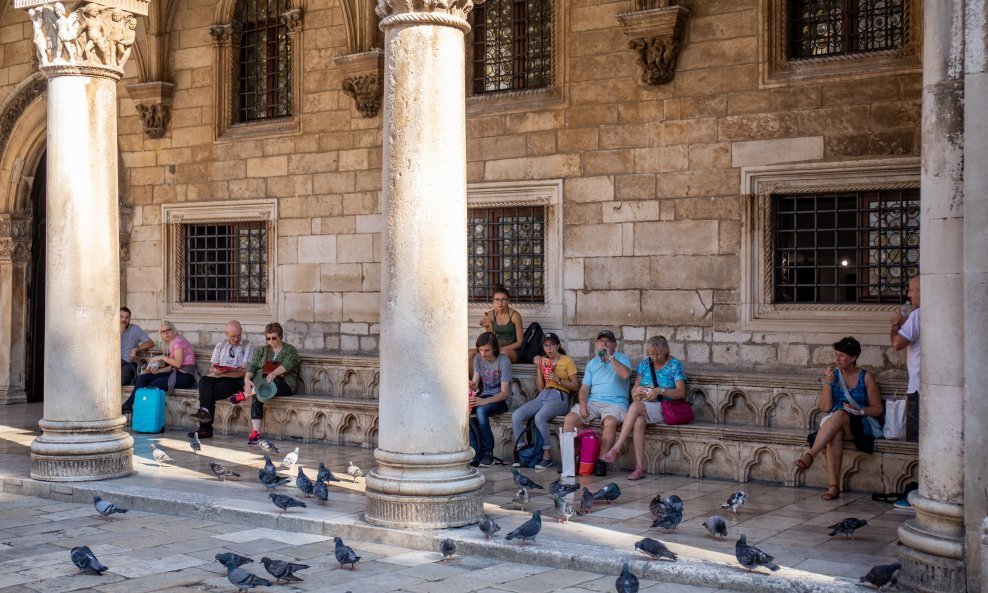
{"x":638,"y":439}
{"x":830,"y":437}
{"x":637,"y":410}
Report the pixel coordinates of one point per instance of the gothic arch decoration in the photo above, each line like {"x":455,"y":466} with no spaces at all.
{"x":675,"y":459}
{"x":371,"y":435}
{"x":349,"y":427}
{"x":861,"y":464}
{"x":703,"y":409}
{"x":350,"y":386}
{"x":363,"y":66}
{"x":321,"y":383}
{"x":716,"y":462}
{"x":374,"y":386}
{"x":738,"y":407}
{"x":292,"y":424}
{"x":783,"y":404}
{"x":763,"y":457}
{"x":319,"y":428}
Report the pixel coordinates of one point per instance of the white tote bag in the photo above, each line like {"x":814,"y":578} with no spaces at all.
{"x":567,"y":448}
{"x":895,"y":419}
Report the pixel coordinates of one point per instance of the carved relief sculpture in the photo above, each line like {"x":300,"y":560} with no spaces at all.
{"x":154,"y":118}
{"x":91,"y":35}
{"x":657,"y":59}
{"x":454,"y":8}
{"x":221,"y":34}
{"x":292,"y":19}
{"x":366,"y":91}
{"x":656,"y":36}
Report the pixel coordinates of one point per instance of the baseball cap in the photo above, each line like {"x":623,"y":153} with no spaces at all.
{"x":607,"y":334}
{"x":549,"y":336}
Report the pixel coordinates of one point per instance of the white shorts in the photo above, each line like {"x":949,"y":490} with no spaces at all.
{"x":653,"y":412}
{"x":599,"y":410}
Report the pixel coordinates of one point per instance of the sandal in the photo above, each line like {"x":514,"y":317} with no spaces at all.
{"x":805,"y":461}
{"x":610,"y":456}
{"x":638,"y":474}
{"x":833,"y":491}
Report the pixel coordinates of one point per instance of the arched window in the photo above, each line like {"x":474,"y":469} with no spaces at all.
{"x":264,"y":61}
{"x":512,"y":45}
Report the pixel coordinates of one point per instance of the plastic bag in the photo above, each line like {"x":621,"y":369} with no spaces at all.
{"x":895,"y":419}
{"x":567,"y":448}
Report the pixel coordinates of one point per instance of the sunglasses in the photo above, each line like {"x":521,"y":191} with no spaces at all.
{"x":271,"y":338}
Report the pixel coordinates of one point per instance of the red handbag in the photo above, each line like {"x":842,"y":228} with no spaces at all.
{"x":674,"y":411}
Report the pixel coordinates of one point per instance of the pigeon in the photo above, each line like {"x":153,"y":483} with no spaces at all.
{"x":303,"y":483}
{"x":561,"y":490}
{"x":269,"y":475}
{"x":488,"y":527}
{"x":528,"y":530}
{"x":221,"y":471}
{"x":291,"y":459}
{"x":159,"y":455}
{"x":242,"y":579}
{"x":354,"y":472}
{"x":325,"y":475}
{"x":668,"y":520}
{"x":751,"y":557}
{"x":86,"y":561}
{"x":345,"y":554}
{"x":447,"y":548}
{"x":320,"y":491}
{"x":523,"y":481}
{"x":586,"y":501}
{"x":657,"y":506}
{"x":608,"y":493}
{"x":105,"y":507}
{"x":268,"y":446}
{"x":282,"y":571}
{"x":882,"y":575}
{"x":675,"y":503}
{"x":717,"y":526}
{"x":847,"y":527}
{"x":195,"y":443}
{"x":627,"y":582}
{"x":564,"y":510}
{"x":237,"y":560}
{"x":521,"y":498}
{"x":285,"y":502}
{"x":655,"y":549}
{"x":735,"y":501}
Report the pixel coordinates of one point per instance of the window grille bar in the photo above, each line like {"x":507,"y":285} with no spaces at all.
{"x":506,"y":247}
{"x":834,"y":27}
{"x":224,"y":263}
{"x":512,"y":46}
{"x":265,"y":61}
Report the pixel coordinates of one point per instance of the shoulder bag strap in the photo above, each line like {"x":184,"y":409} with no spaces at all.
{"x":847,"y":395}
{"x":651,"y":367}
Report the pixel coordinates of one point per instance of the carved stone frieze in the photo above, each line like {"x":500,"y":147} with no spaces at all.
{"x":292,"y":19}
{"x":656,"y":58}
{"x":656,"y":36}
{"x":154,"y":118}
{"x":363,"y":80}
{"x":454,"y":8}
{"x":221,"y":34}
{"x":153,"y":101}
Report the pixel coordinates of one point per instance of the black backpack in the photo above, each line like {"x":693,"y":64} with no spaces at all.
{"x":531,"y":344}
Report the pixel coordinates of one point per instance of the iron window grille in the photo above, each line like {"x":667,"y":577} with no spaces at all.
{"x":512,"y":48}
{"x":506,"y":247}
{"x":265,"y":61}
{"x":846,"y":247}
{"x":224,"y":263}
{"x":837,"y":27}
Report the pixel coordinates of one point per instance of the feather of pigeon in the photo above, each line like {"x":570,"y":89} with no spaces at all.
{"x":564,"y":510}
{"x":291,"y":460}
{"x":882,"y":575}
{"x":447,"y":548}
{"x":586,"y":501}
{"x":325,"y":475}
{"x":268,"y":446}
{"x":528,"y":530}
{"x":285,"y":502}
{"x":105,"y":507}
{"x":521,"y":498}
{"x":608,"y":493}
{"x":668,"y":520}
{"x":675,"y":503}
{"x":488,"y":527}
{"x":717,"y":526}
{"x":561,"y":490}
{"x":269,"y":475}
{"x":283,"y":571}
{"x":194,"y":442}
{"x":242,"y":579}
{"x":159,"y":455}
{"x":627,"y":582}
{"x":303,"y":483}
{"x":523,"y":481}
{"x":735,"y":501}
{"x":320,"y":491}
{"x":751,"y":557}
{"x":354,"y":472}
{"x":225,"y":558}
{"x":847,"y":526}
{"x":345,"y":554}
{"x":657,"y":506}
{"x":86,"y":561}
{"x":221,"y":471}
{"x":655,"y":549}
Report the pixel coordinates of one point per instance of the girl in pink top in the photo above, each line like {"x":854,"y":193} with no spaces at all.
{"x":175,"y":369}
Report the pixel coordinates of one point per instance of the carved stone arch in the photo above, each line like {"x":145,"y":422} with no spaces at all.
{"x":370,"y":436}
{"x":738,"y":409}
{"x":361,"y":25}
{"x":23,"y":139}
{"x":321,"y":383}
{"x":675,"y":459}
{"x":237,"y":415}
{"x":373,"y":388}
{"x":909,"y":473}
{"x":866,"y":465}
{"x":722,"y":463}
{"x":292,"y":424}
{"x":350,"y":425}
{"x":782,"y":411}
{"x":320,"y":428}
{"x":703,"y":408}
{"x":757,"y":459}
{"x":351,"y":386}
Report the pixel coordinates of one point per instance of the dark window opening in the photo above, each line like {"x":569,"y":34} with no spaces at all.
{"x":225,"y":263}
{"x":512,"y":45}
{"x":506,"y":247}
{"x":836,"y":27}
{"x":265,"y":61}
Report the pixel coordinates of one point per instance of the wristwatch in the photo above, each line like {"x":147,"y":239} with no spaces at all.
{"x":662,"y":390}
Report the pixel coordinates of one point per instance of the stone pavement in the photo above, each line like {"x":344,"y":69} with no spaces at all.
{"x":789,"y":523}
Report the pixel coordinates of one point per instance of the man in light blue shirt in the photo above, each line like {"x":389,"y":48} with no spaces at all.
{"x":604,"y":392}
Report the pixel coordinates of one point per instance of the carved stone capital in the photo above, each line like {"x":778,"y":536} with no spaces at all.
{"x":90,"y":40}
{"x":656,"y":35}
{"x":221,"y":34}
{"x":440,"y":12}
{"x":292,"y":19}
{"x":363,"y":79}
{"x":153,"y":101}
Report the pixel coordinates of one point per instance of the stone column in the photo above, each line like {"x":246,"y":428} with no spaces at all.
{"x":82,"y":53}
{"x":933,"y":550}
{"x":15,"y":252}
{"x":423,"y":478}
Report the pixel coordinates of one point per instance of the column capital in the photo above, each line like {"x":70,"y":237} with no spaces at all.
{"x":15,"y":237}
{"x":93,"y":39}
{"x":440,"y":12}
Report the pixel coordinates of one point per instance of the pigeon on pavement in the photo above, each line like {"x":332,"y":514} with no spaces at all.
{"x":242,"y":579}
{"x":675,"y":503}
{"x":225,"y":558}
{"x":847,"y":527}
{"x":105,"y":507}
{"x":488,"y":527}
{"x":325,"y":475}
{"x":882,"y":575}
{"x":354,"y":472}
{"x":320,"y":491}
{"x":291,"y":459}
{"x":735,"y":501}
{"x":447,"y":548}
{"x":627,"y":582}
{"x":608,"y":493}
{"x":194,"y":442}
{"x":564,"y":510}
{"x":561,"y":490}
{"x":523,"y":481}
{"x":751,"y":557}
{"x":528,"y":530}
{"x":657,"y":506}
{"x":221,"y":471}
{"x":586,"y":502}
{"x":159,"y":455}
{"x":285,"y":502}
{"x":86,"y":561}
{"x":268,"y":446}
{"x":655,"y":549}
{"x":521,"y":498}
{"x":269,"y":475}
{"x":303,"y":483}
{"x":717,"y":526}
{"x":345,"y":554}
{"x":668,"y":520}
{"x":282,"y":571}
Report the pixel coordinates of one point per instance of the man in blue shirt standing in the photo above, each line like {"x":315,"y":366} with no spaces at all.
{"x":604,"y":392}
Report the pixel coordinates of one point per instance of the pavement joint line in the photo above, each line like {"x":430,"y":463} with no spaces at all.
{"x":469,"y":540}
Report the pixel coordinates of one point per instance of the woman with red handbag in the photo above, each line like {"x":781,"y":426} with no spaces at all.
{"x":659,"y":396}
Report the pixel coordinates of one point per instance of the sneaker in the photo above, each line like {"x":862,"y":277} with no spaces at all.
{"x":544,"y":464}
{"x":237,"y":398}
{"x":203,"y":415}
{"x":487,"y":460}
{"x":638,"y":474}
{"x":475,"y":462}
{"x":253,"y":438}
{"x":203,"y":433}
{"x":516,"y":464}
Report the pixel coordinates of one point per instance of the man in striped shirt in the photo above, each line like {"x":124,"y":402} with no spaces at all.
{"x":225,"y":376}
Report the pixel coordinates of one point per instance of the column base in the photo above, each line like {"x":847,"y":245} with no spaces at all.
{"x":932,"y":550}
{"x":424,"y":491}
{"x":926,"y":573}
{"x":12,"y":396}
{"x":82,"y":451}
